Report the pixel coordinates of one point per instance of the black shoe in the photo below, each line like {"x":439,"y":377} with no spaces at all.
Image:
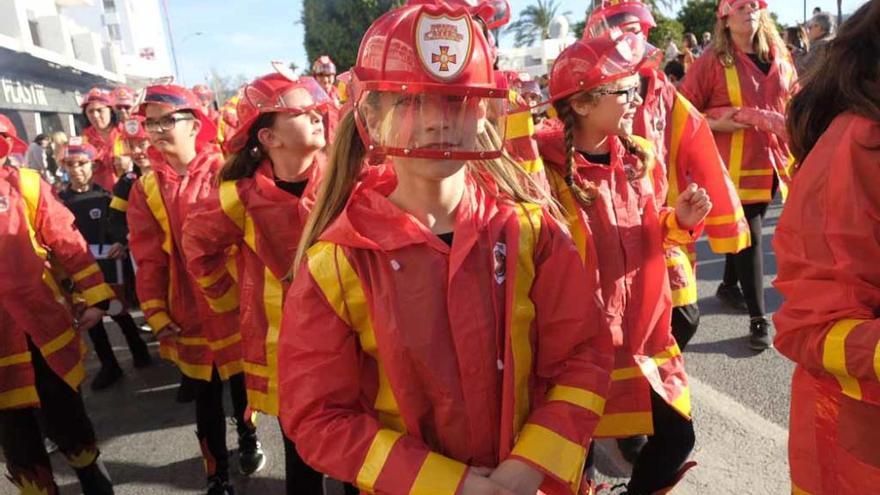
{"x":732,"y":297}
{"x":631,"y":447}
{"x":107,"y":376}
{"x":186,"y":393}
{"x":759,"y":334}
{"x":94,"y":480}
{"x":251,"y":457}
{"x":142,"y":358}
{"x":219,"y":486}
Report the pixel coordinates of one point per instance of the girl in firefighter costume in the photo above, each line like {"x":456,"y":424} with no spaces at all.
{"x":268,"y":186}
{"x":742,"y":83}
{"x":40,"y":348}
{"x":102,"y":133}
{"x":604,"y":178}
{"x":200,"y":335}
{"x":440,"y":335}
{"x":827,"y":245}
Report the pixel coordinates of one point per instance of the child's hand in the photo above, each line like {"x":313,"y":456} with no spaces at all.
{"x":692,"y":207}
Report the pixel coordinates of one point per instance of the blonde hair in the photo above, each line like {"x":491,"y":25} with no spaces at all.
{"x":766,"y":41}
{"x":347,"y":157}
{"x":583,"y":190}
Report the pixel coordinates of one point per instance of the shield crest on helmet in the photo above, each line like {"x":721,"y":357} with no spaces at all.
{"x":444,"y":44}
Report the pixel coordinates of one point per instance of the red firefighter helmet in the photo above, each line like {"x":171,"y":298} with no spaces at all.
{"x":323,"y":65}
{"x":493,"y":13}
{"x":423,"y":86}
{"x":177,"y":98}
{"x":593,"y":62}
{"x":133,"y":128}
{"x":97,"y":95}
{"x":204,"y":93}
{"x":266,"y":95}
{"x":75,"y":147}
{"x":725,"y":7}
{"x":8,"y":131}
{"x":620,"y":14}
{"x":123,"y":96}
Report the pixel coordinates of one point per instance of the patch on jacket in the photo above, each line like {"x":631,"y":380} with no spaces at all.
{"x":499,"y":255}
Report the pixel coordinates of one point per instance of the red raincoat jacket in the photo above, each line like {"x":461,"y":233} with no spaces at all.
{"x":405,"y":360}
{"x":264,"y":224}
{"x":157,"y":207}
{"x":36,"y":230}
{"x":104,"y":172}
{"x":752,"y":156}
{"x":681,"y":136}
{"x":629,"y":230}
{"x":827,"y":245}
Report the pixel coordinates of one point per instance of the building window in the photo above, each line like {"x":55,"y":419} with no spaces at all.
{"x":109,"y":6}
{"x":114,"y":32}
{"x":35,"y":33}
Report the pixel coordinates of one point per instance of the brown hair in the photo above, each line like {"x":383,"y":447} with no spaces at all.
{"x":853,"y":85}
{"x":244,"y":163}
{"x":585,"y":191}
{"x":347,"y":157}
{"x":766,"y":40}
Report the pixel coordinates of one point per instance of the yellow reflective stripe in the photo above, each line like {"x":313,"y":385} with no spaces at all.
{"x":438,"y":474}
{"x":159,"y":321}
{"x":98,"y":293}
{"x":532,"y":166}
{"x":196,"y":371}
{"x":18,"y":397}
{"x":86,"y":272}
{"x":754,"y":194}
{"x":119,"y":204}
{"x":225,"y":303}
{"x":552,"y":452}
{"x":737,"y":138}
{"x":273,"y":300}
{"x":730,"y":244}
{"x":192,"y":341}
{"x":57,"y":343}
{"x":679,"y":120}
{"x":256,"y":369}
{"x":635,"y":371}
{"x":684,"y":296}
{"x":75,"y":376}
{"x":520,"y":125}
{"x":572,"y":219}
{"x":682,"y":403}
{"x":377,"y":455}
{"x":578,"y":396}
{"x":29,"y":183}
{"x":625,"y":424}
{"x":208,"y":281}
{"x":24,"y":357}
{"x":756,"y":173}
{"x":229,"y":369}
{"x":221,"y":344}
{"x":834,"y":356}
{"x":152,"y":304}
{"x":523,"y":312}
{"x":231,"y":204}
{"x":330,"y":268}
{"x":796,"y":490}
{"x":877,"y":360}
{"x":157,"y":207}
{"x":724,"y":219}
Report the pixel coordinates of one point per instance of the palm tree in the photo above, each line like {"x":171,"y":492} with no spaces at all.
{"x":534,"y":22}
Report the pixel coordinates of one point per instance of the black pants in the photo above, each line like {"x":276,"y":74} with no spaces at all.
{"x":211,"y":420}
{"x":685,"y":321}
{"x":300,"y":479}
{"x":101,"y":342}
{"x":747,"y":266}
{"x":66,"y":423}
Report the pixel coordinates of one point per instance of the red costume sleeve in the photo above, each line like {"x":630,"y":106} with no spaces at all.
{"x":147,"y":242}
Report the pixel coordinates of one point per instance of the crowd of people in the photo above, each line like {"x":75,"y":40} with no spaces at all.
{"x":441,"y":280}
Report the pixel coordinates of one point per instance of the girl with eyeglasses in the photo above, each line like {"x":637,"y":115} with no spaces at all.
{"x":268,"y":185}
{"x":605,"y":178}
{"x":197,"y":333}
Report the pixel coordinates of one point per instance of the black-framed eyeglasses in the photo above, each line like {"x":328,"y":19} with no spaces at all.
{"x":630,"y":92}
{"x":165,"y":123}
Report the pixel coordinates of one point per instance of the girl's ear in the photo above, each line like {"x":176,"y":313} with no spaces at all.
{"x":197,"y":126}
{"x":266,"y":137}
{"x":581,"y":107}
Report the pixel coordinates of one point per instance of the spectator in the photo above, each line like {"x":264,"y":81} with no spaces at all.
{"x":691,"y":50}
{"x":35,"y":159}
{"x":59,"y":142}
{"x":707,"y":39}
{"x":817,"y":10}
{"x":820,"y":30}
{"x":672,"y":51}
{"x":798,"y":44}
{"x":674,"y":70}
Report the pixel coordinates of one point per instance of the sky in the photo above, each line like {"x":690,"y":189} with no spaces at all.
{"x":265,"y":30}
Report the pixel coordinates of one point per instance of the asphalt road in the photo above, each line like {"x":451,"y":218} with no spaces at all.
{"x":740,"y":403}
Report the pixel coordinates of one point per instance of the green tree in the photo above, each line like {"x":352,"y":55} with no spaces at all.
{"x":534,"y":22}
{"x":667,"y":29}
{"x":697,"y":16}
{"x":336,"y":27}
